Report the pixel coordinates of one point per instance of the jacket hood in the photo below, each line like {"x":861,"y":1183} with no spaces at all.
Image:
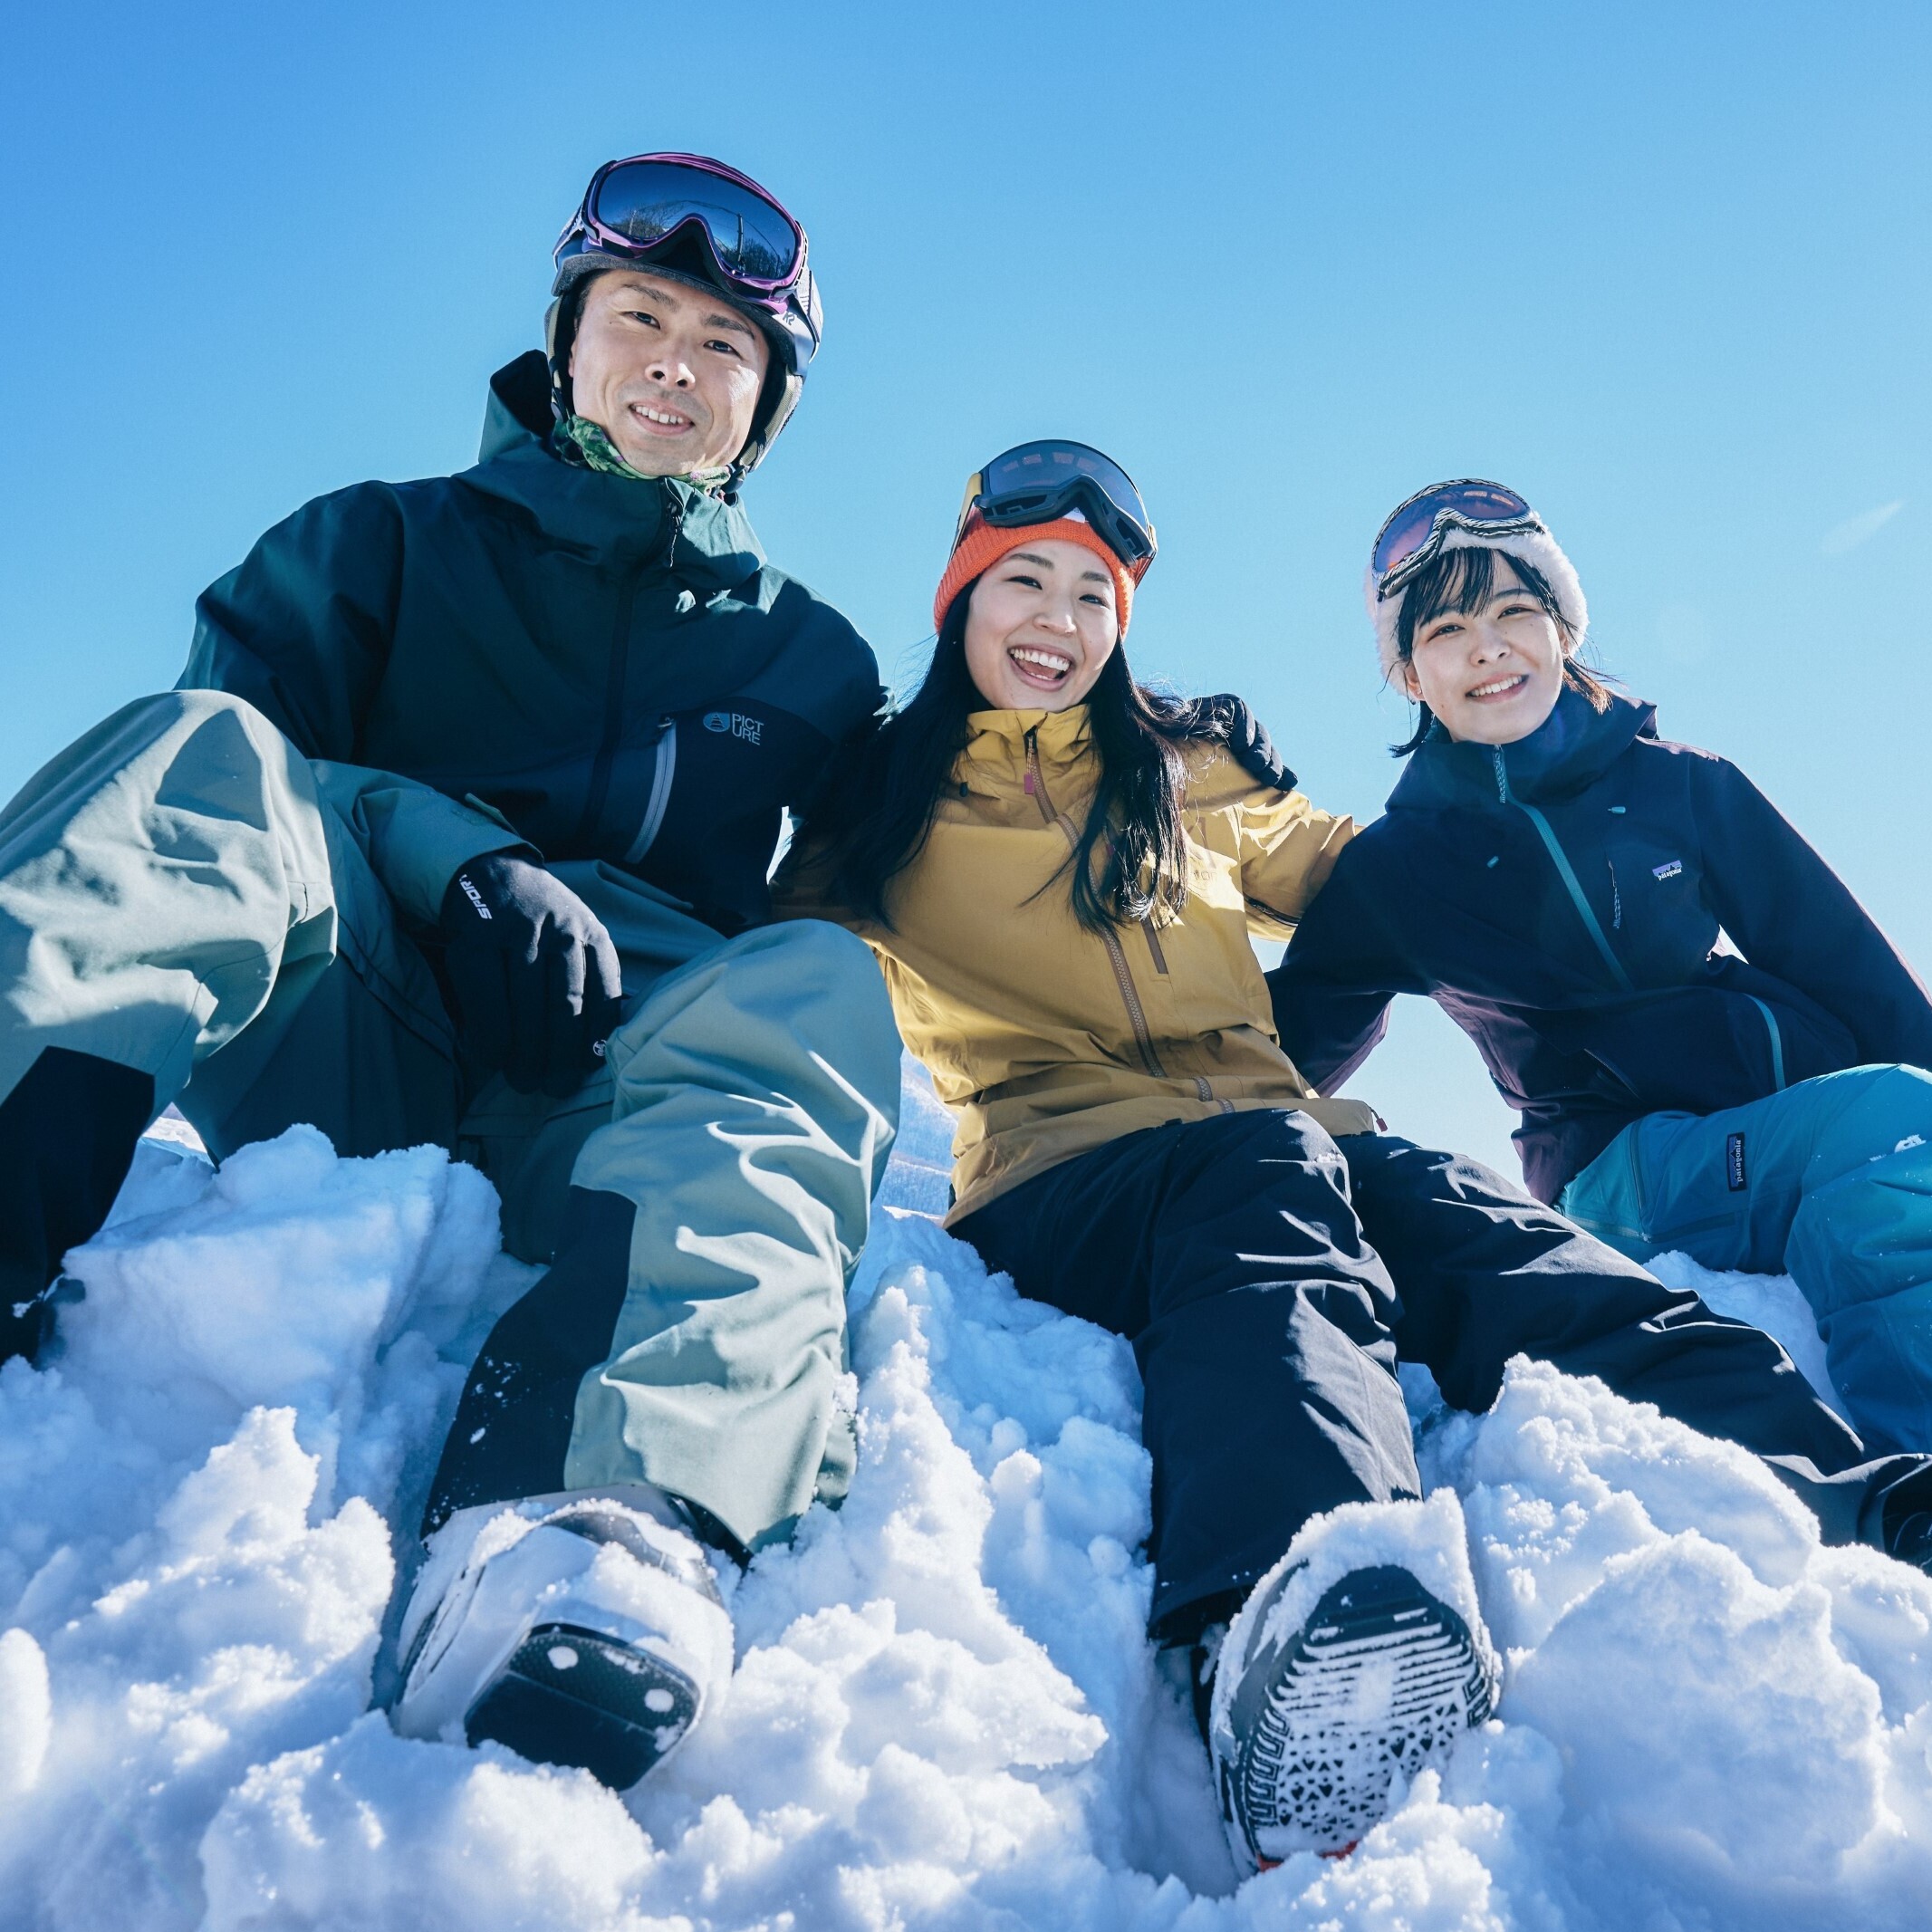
{"x":517,"y":409}
{"x":1567,"y":752}
{"x":716,"y":547}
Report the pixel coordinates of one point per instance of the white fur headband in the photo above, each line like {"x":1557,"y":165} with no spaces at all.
{"x":1536,"y":547}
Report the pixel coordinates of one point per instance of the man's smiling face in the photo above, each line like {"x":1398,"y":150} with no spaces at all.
{"x":670,"y":373}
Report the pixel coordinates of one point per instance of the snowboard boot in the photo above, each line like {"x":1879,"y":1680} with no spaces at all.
{"x":1909,"y":1539}
{"x":1909,"y":1534}
{"x":581,"y":1629}
{"x":1900,"y":1496}
{"x":1339,"y":1677}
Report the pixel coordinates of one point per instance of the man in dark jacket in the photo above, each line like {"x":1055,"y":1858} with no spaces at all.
{"x":456,"y":830}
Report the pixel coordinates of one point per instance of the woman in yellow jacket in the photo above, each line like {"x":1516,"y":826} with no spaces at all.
{"x":1059,"y":871}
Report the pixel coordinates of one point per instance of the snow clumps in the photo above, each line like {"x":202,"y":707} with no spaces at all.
{"x":945,"y":1712}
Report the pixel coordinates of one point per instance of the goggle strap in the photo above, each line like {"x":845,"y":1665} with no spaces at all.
{"x":967,"y":504}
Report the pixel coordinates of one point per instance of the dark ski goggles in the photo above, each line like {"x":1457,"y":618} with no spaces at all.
{"x":1034,"y":483}
{"x":1413,"y":534}
{"x":635,"y":206}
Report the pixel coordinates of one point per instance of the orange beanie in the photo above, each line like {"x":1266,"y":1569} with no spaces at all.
{"x":984,"y":544}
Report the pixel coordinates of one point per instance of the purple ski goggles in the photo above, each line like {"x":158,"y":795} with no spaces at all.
{"x":634,"y":206}
{"x":1414,"y":533}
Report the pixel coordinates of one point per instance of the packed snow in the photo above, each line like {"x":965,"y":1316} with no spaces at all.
{"x":944,"y":1713}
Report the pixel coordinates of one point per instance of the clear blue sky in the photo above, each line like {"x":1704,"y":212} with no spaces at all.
{"x":1664,"y":268}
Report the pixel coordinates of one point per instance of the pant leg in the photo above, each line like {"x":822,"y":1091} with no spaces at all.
{"x":161,"y":882}
{"x":1831,"y":1180}
{"x":363,"y":1048}
{"x":691,"y":1331}
{"x":1486,"y":1271}
{"x":1860,"y":1247}
{"x":1228,"y":1253}
{"x":528,"y":1143}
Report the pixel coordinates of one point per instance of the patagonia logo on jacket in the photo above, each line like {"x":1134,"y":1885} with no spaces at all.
{"x":750,"y":729}
{"x":1669,"y":869}
{"x":1734,"y":1162}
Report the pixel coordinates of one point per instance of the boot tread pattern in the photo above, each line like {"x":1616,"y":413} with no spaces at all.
{"x":569,"y":1696}
{"x":1381,"y":1680}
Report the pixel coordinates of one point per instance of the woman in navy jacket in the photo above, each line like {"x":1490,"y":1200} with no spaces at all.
{"x":1713,"y":1047}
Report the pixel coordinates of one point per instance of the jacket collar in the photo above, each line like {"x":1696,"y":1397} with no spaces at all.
{"x":617,"y":517}
{"x":1567,"y":752}
{"x":1061,"y":738}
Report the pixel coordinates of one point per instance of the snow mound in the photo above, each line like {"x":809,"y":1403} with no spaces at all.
{"x":945,"y":1712}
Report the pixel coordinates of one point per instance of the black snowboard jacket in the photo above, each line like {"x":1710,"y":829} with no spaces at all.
{"x":1561,"y":898}
{"x":606,"y":666}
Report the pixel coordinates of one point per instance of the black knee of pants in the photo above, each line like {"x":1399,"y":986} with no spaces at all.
{"x":1486,"y":1271}
{"x":1228,"y":1253}
{"x":68,"y":1133}
{"x":512,"y":1431}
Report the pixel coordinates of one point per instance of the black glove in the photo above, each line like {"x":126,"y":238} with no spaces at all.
{"x":1248,"y":741}
{"x":535,"y":977}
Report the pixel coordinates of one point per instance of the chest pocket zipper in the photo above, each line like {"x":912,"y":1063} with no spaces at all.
{"x":1547,"y":833}
{"x":662,"y":773}
{"x":1116,"y":955}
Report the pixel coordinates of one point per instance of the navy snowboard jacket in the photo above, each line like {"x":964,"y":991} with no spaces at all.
{"x":606,"y":664}
{"x":1561,"y":898}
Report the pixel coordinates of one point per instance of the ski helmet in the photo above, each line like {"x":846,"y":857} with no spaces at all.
{"x":694,"y":220}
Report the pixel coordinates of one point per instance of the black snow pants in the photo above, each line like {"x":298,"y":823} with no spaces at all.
{"x":1269,"y":1277}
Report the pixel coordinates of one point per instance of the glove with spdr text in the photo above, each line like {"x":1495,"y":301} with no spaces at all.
{"x":534,"y":975}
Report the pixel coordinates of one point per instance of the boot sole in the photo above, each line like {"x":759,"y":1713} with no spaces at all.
{"x":568,"y":1696}
{"x":1381,"y":1680}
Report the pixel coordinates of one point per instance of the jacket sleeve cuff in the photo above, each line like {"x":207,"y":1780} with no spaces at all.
{"x":416,"y":839}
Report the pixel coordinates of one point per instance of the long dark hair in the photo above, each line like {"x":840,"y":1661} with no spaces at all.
{"x":1461,"y":580}
{"x":874,"y":818}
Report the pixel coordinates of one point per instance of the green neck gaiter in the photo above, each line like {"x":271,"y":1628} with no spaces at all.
{"x":577,"y":440}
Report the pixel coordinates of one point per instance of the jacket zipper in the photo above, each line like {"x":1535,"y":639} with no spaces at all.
{"x":1117,"y":957}
{"x":1596,"y":931}
{"x":1777,"y":1040}
{"x":614,"y":681}
{"x":1154,"y":950}
{"x":662,"y":773}
{"x":1154,"y":946}
{"x":1547,"y":832}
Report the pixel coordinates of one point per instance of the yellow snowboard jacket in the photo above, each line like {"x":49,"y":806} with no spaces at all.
{"x":1046,"y":1040}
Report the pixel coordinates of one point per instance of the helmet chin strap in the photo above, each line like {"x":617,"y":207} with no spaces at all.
{"x":557,"y":340}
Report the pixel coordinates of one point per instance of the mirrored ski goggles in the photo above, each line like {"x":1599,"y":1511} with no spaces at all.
{"x":636,"y":205}
{"x":1034,"y":483}
{"x":1413,"y":534}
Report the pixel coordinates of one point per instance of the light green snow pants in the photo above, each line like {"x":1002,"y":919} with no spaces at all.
{"x":182,"y":895}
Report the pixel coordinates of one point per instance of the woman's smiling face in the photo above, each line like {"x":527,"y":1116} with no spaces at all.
{"x":1491,"y":675}
{"x":1040,"y":626}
